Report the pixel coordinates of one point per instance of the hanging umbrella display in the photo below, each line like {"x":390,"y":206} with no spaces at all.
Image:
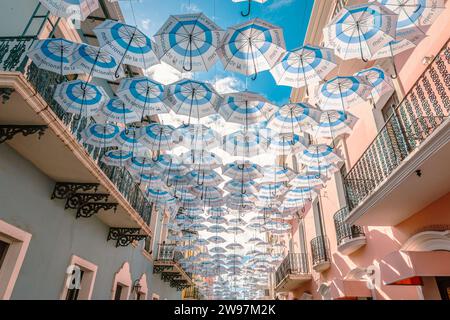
{"x":80,"y":98}
{"x":72,"y":9}
{"x":100,"y":135}
{"x":196,"y":137}
{"x":158,"y":195}
{"x":116,"y":158}
{"x":242,"y":170}
{"x":304,"y":66}
{"x":285,"y":144}
{"x":219,"y":252}
{"x":327,"y":169}
{"x":127,"y":44}
{"x":192,"y":98}
{"x":333,"y":124}
{"x":249,"y":5}
{"x":245,"y":108}
{"x":144,"y":95}
{"x":201,"y":159}
{"x":217,"y":228}
{"x":218,"y":212}
{"x":318,"y":155}
{"x":207,"y":192}
{"x":235,"y":230}
{"x":188,"y":42}
{"x":244,"y":143}
{"x":252,"y":47}
{"x":157,"y":137}
{"x":308,"y":179}
{"x":276,"y":174}
{"x":343,"y":92}
{"x":381,"y":85}
{"x":128,"y":140}
{"x":270,"y":189}
{"x":299,"y":193}
{"x":294,"y":117}
{"x":361,"y":30}
{"x":53,"y":55}
{"x":216,"y":239}
{"x":96,"y":62}
{"x":236,"y":186}
{"x":116,"y":111}
{"x":142,"y":164}
{"x":207,"y":178}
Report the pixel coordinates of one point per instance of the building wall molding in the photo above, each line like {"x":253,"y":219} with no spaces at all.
{"x":428,"y":241}
{"x":123,"y":278}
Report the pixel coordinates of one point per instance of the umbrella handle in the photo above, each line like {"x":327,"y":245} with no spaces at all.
{"x":254,"y":76}
{"x":248,"y":10}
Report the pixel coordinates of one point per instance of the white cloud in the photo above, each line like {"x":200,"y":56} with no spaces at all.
{"x":165,"y":73}
{"x":190,"y":8}
{"x":146,"y":23}
{"x":277,"y":4}
{"x":227,"y":84}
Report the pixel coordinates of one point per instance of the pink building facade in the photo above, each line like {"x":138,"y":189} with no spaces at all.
{"x":380,"y":228}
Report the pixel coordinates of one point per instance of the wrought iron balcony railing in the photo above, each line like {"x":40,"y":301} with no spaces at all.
{"x":320,"y":250}
{"x":13,"y":58}
{"x":293,"y":264}
{"x":424,"y":108}
{"x":345,"y":231}
{"x":167,"y":252}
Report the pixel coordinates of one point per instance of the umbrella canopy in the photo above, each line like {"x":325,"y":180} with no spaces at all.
{"x":79,"y":97}
{"x":361,"y":30}
{"x":144,"y":95}
{"x":217,"y":228}
{"x":128,"y":140}
{"x":53,"y":55}
{"x":334,"y":123}
{"x":380,"y":83}
{"x":343,"y":92}
{"x":252,"y":47}
{"x":115,"y":110}
{"x":287,"y":143}
{"x":196,"y":137}
{"x":96,"y":62}
{"x":303,"y":66}
{"x":308,"y":179}
{"x":192,"y":98}
{"x":242,"y":170}
{"x":236,"y":186}
{"x":317,"y":155}
{"x":276,"y":174}
{"x":189,"y":42}
{"x":142,"y":164}
{"x":201,"y":159}
{"x":218,"y":211}
{"x":207,"y":192}
{"x":73,"y":9}
{"x":245,"y":108}
{"x":116,"y":158}
{"x":157,"y":137}
{"x":158,"y":195}
{"x":294,"y":117}
{"x":100,"y":135}
{"x":127,"y":44}
{"x":207,"y":178}
{"x":244,"y":143}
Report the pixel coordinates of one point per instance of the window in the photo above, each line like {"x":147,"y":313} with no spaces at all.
{"x":389,"y":106}
{"x":318,"y":219}
{"x":148,"y":244}
{"x":3,"y":249}
{"x":73,"y":292}
{"x":80,"y":279}
{"x":140,"y":296}
{"x":118,"y":294}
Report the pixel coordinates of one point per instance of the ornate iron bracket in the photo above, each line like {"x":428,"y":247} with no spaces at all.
{"x":76,"y":200}
{"x":63,"y":190}
{"x":169,"y":276}
{"x":161,"y":268}
{"x":7,"y":132}
{"x":87,"y":210}
{"x":5,"y":94}
{"x":125,"y":236}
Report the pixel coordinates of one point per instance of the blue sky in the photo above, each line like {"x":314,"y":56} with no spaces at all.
{"x":291,"y":15}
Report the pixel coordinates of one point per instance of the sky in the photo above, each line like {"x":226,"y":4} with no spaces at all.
{"x":291,"y":15}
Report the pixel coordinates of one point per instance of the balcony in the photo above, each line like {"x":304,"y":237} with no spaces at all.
{"x":405,"y":168}
{"x":349,"y":237}
{"x":166,"y":264}
{"x":191,"y":293}
{"x":292,"y":272}
{"x":27,"y":96}
{"x":321,"y":257}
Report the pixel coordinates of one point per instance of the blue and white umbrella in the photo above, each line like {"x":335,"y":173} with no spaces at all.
{"x":216,"y":239}
{"x":275,"y":174}
{"x":79,"y":97}
{"x":192,"y":98}
{"x":96,"y":62}
{"x":380,"y":83}
{"x":157,"y":137}
{"x":116,"y":158}
{"x":207,"y":192}
{"x":128,"y":140}
{"x":146,"y":96}
{"x":236,"y":230}
{"x":317,"y":155}
{"x":245,"y":108}
{"x":304,"y":66}
{"x":236,"y":186}
{"x":242,"y":170}
{"x":217,"y":220}
{"x":342,"y":92}
{"x":294,"y":117}
{"x":201,"y":160}
{"x":196,"y":137}
{"x":115,"y":110}
{"x":333,"y":124}
{"x":285,"y":144}
{"x":234,"y":246}
{"x":244,"y":143}
{"x":142,"y":164}
{"x":71,"y":9}
{"x":100,"y":135}
{"x":299,"y":193}
{"x":361,"y":30}
{"x":158,"y":195}
{"x":170,"y":163}
{"x":270,"y":189}
{"x":189,"y":42}
{"x":327,"y":169}
{"x":219,"y":252}
{"x":213,"y":202}
{"x":218,"y":212}
{"x":252,"y":47}
{"x":53,"y":55}
{"x":207,"y":178}
{"x":127,"y":44}
{"x":308,"y":179}
{"x":217,"y":228}
{"x":240,"y":201}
